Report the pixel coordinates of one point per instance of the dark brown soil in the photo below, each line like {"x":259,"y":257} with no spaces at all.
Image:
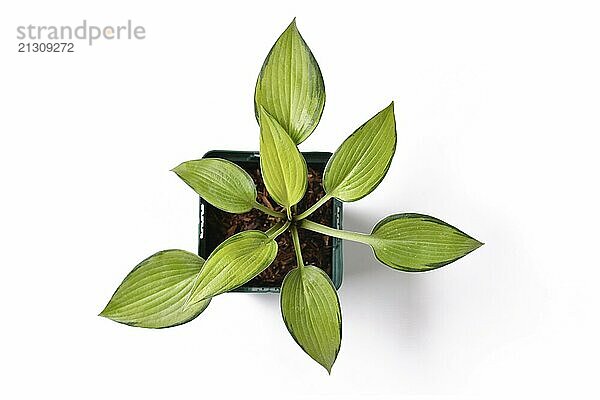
{"x":316,"y":248}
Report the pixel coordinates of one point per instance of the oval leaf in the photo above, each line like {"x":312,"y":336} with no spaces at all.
{"x":290,"y":86}
{"x":417,"y":242}
{"x":220,"y":182}
{"x":361,"y":162}
{"x":283,"y":167}
{"x":233,"y":263}
{"x":311,"y":312}
{"x":153,"y":294}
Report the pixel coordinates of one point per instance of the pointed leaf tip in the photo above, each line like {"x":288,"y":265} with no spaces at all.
{"x":282,"y":166}
{"x":152,"y":294}
{"x":361,"y":162}
{"x":311,"y":312}
{"x":290,"y":85}
{"x":417,"y":242}
{"x":234,"y":262}
{"x":222,"y":183}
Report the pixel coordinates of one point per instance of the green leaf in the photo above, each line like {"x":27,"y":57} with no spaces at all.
{"x":220,"y":182}
{"x":233,"y":263}
{"x":311,"y":312}
{"x":416,"y":242}
{"x":361,"y":162}
{"x":153,"y":294}
{"x":290,"y":86}
{"x":283,"y":167}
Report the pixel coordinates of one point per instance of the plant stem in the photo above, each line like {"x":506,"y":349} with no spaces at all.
{"x":267,"y":210}
{"x":313,"y":208}
{"x":278,"y":229}
{"x":338,"y":233}
{"x":297,"y":248}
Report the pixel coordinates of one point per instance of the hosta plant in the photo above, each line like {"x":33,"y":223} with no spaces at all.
{"x":172,"y":287}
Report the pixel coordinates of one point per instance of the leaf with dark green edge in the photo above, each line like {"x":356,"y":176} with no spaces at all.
{"x":222,"y":183}
{"x":311,"y":312}
{"x":233,"y":263}
{"x":153,"y":294}
{"x":417,"y":242}
{"x":290,"y":86}
{"x":361,"y":162}
{"x":282,"y":166}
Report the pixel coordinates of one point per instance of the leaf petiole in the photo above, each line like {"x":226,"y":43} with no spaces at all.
{"x":313,"y":208}
{"x":267,"y":210}
{"x":297,"y":247}
{"x":338,"y":233}
{"x":277,"y":229}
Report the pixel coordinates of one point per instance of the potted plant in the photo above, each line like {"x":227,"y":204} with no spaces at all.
{"x":256,"y":205}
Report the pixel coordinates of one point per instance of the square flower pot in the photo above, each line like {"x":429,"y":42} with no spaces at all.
{"x":251,"y":160}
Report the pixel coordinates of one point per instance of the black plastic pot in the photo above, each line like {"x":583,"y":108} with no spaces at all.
{"x":316,"y":160}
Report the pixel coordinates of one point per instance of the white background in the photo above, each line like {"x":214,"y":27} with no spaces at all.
{"x":497,"y":111}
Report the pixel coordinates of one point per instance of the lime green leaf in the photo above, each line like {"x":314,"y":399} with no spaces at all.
{"x":290,"y":86}
{"x":220,"y":182}
{"x":233,"y":263}
{"x":153,"y":294}
{"x":416,"y":242}
{"x":361,"y":162}
{"x":283,"y":167}
{"x":311,"y":312}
